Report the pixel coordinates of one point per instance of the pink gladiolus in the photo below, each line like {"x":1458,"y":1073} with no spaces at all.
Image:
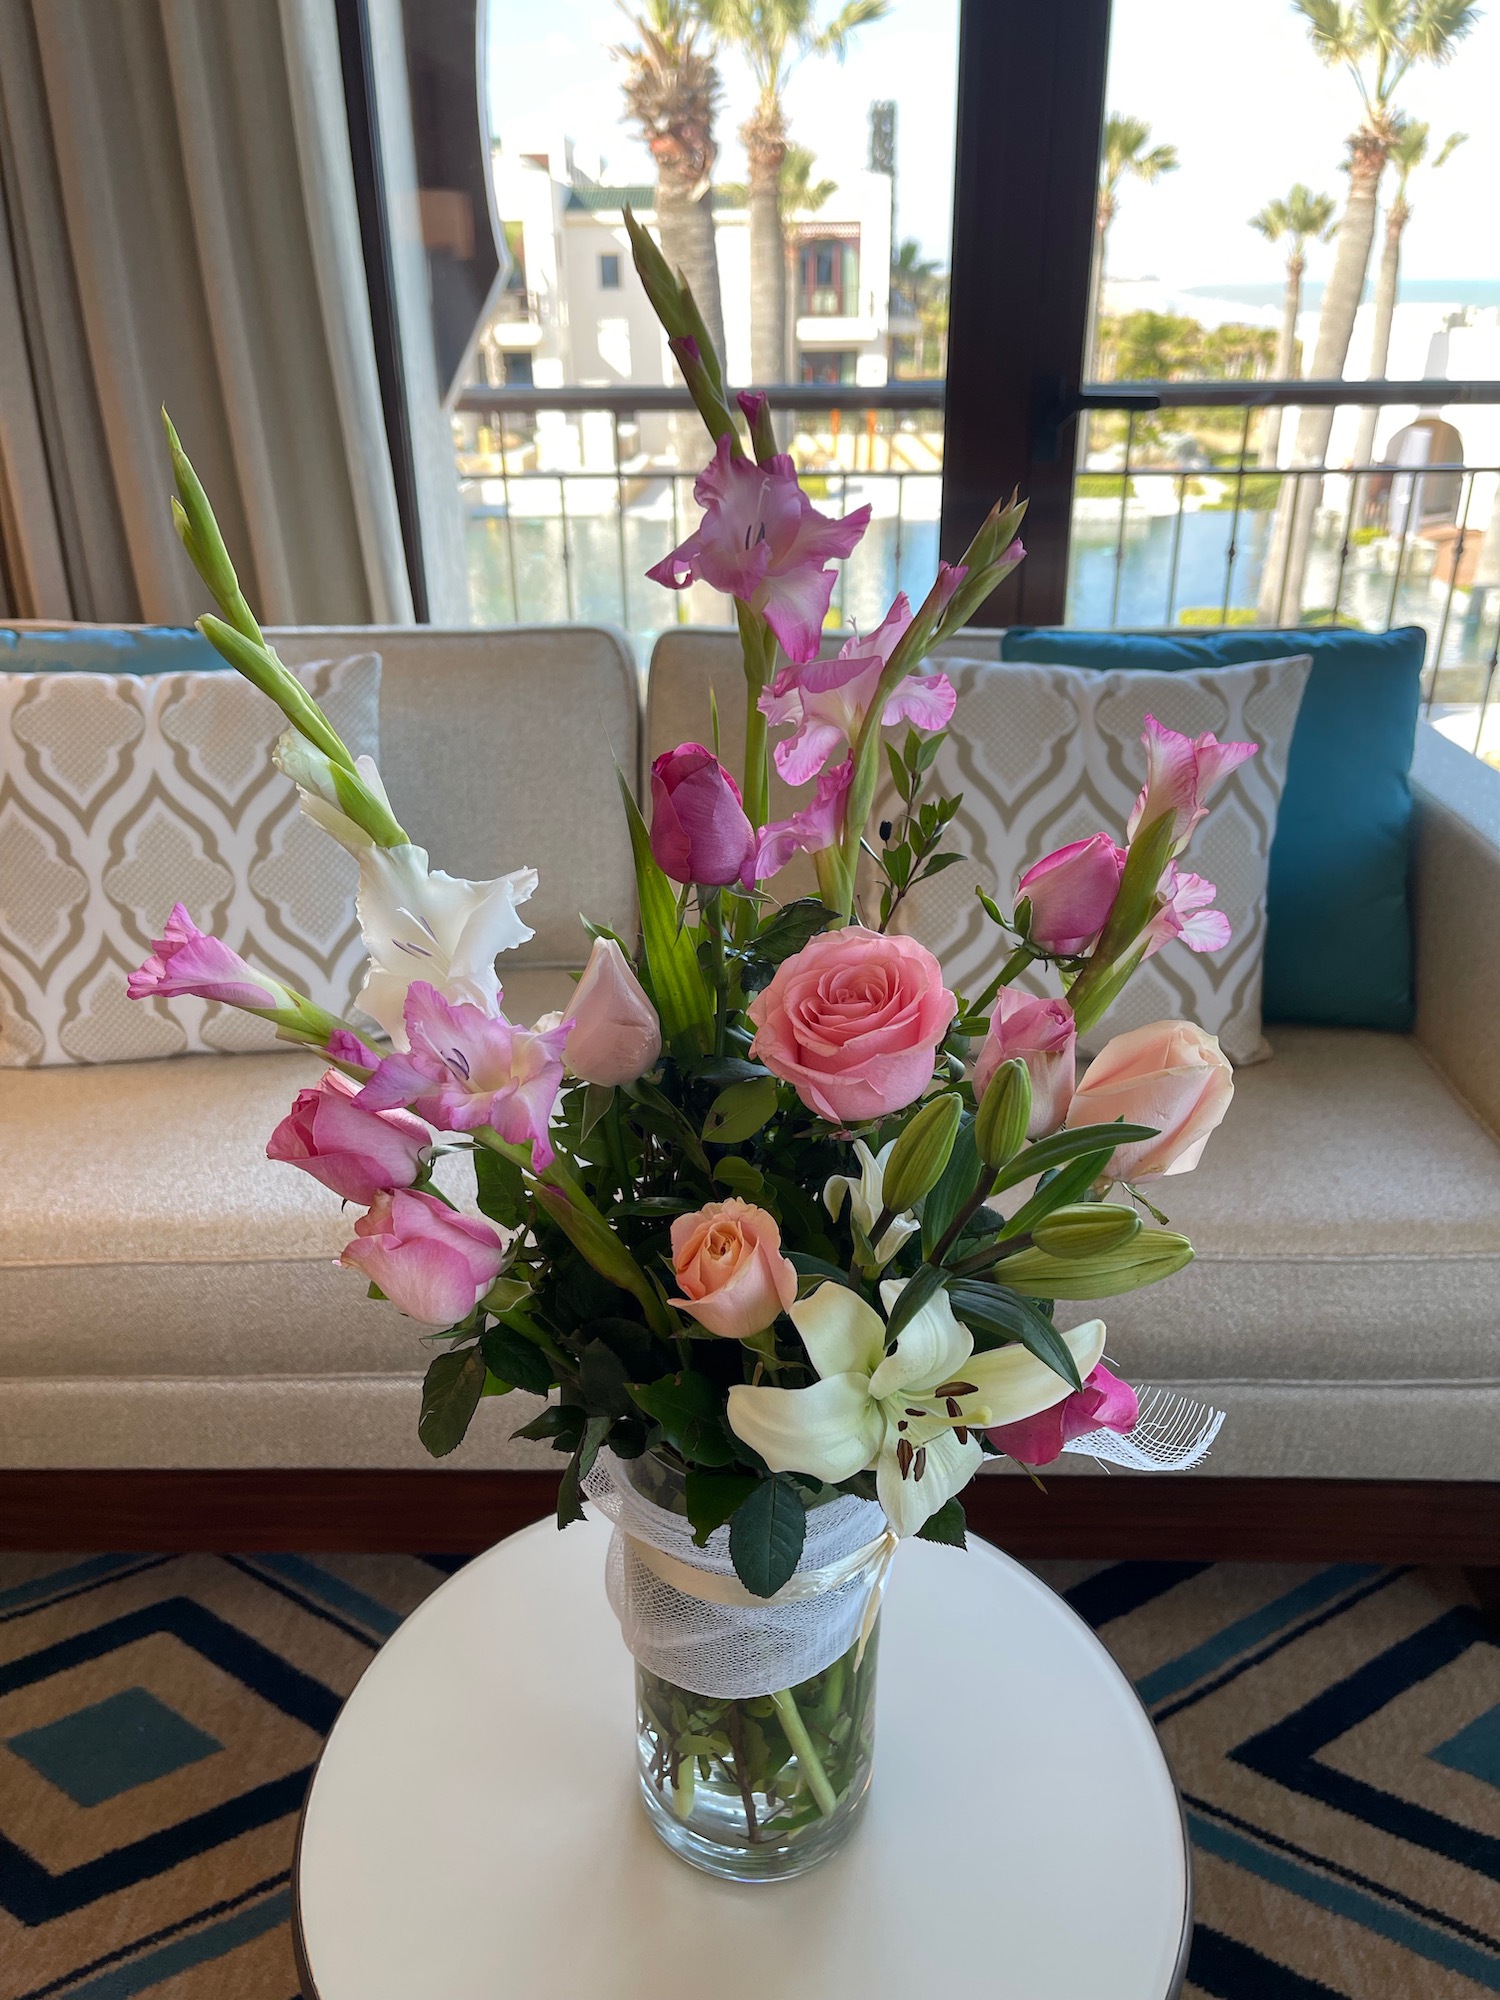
{"x":1042,"y":1034}
{"x":616,"y":1036}
{"x":1169,"y":1075}
{"x":432,"y":1263}
{"x":762,"y":540}
{"x":465,"y":1068}
{"x":345,"y":1047}
{"x":1182,"y":773}
{"x":699,"y":832}
{"x":828,"y":700}
{"x":1072,"y":892}
{"x":809,"y":830}
{"x":187,"y":961}
{"x":357,"y":1152}
{"x":1104,"y":1403}
{"x":1186,"y":914}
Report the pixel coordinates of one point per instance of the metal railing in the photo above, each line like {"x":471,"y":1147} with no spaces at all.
{"x":513,"y":307}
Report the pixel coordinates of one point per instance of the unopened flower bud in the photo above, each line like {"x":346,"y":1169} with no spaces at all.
{"x":1004,"y":1113}
{"x":1150,"y":1256}
{"x":920,"y":1154}
{"x":1086,"y":1229}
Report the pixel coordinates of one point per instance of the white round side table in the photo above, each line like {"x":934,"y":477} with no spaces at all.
{"x":474,"y":1832}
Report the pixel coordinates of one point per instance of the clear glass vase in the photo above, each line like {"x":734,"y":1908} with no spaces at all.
{"x":763,"y":1789}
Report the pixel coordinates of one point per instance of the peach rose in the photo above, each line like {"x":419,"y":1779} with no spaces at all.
{"x":728,"y":1261}
{"x":853,"y":1022}
{"x":1170,"y":1075}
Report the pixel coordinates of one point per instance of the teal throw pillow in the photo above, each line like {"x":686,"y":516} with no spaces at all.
{"x":106,"y":649}
{"x":1338,"y":921}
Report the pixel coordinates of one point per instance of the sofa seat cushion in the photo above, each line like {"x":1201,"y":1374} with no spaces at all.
{"x":1346,"y":1219}
{"x":145,"y":1234}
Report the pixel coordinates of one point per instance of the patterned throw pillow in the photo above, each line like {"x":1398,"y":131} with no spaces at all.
{"x":1046,"y":755}
{"x":120,"y":796}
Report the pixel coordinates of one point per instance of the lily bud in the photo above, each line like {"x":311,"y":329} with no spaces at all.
{"x":1149,"y":1257}
{"x":1004,"y":1114}
{"x":920,"y":1154}
{"x":1086,"y":1229}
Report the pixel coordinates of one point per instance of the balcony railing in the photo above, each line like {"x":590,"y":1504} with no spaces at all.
{"x":516,"y":307}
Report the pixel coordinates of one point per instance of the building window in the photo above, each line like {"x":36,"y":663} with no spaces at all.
{"x":609,"y":271}
{"x":829,"y":278}
{"x":832,"y":365}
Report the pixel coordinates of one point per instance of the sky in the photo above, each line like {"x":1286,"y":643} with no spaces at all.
{"x":1233,"y":84}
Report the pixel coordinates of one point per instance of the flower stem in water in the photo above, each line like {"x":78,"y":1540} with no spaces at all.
{"x":807,"y":1757}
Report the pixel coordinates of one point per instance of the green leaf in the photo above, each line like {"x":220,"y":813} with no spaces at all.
{"x":994,"y":1309}
{"x":516,"y":1360}
{"x":741,"y":1177}
{"x":561,"y":1425}
{"x":682,"y":995}
{"x":451,"y":1390}
{"x":588,"y":1232}
{"x":502,"y":1192}
{"x":645,"y":1357}
{"x":602,"y":1381}
{"x":722,"y":1070}
{"x":915,"y":1294}
{"x":947,"y":1526}
{"x":793,"y":926}
{"x":570,"y":1492}
{"x":766,"y":1535}
{"x":690,"y":1409}
{"x":820,"y":1269}
{"x":959,"y":1179}
{"x":740,"y":1111}
{"x":711,"y":1497}
{"x":1067,"y":1185}
{"x":1064,"y":1146}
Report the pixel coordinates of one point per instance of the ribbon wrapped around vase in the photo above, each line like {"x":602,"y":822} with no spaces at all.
{"x":686,"y":1616}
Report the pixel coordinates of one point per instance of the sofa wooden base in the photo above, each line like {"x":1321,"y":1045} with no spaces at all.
{"x":1114,"y":1518}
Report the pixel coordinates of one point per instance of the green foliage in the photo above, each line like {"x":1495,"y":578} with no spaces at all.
{"x":451,"y":1390}
{"x":1002,"y":1315}
{"x":711,"y":1497}
{"x":947,"y":1526}
{"x":690,"y":1409}
{"x":766,"y":1535}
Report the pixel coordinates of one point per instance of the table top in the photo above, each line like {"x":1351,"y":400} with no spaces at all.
{"x":474,"y":1830}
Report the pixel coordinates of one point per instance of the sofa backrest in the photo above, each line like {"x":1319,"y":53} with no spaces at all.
{"x":499,"y":749}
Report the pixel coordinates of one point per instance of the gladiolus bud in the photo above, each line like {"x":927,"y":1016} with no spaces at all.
{"x":1086,"y":1229}
{"x":1150,"y":1256}
{"x":1004,"y":1114}
{"x":920,"y":1154}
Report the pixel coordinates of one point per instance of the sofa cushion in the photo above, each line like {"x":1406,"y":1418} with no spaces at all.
{"x":106,"y":649}
{"x":1338,"y":946}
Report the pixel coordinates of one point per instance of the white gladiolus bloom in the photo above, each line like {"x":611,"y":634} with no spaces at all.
{"x":419,"y":923}
{"x":910,"y":1413}
{"x":866,"y":1200}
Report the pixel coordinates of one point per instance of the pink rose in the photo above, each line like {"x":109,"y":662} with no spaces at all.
{"x":1170,"y":1075}
{"x":432,"y":1263}
{"x":1104,"y":1403}
{"x":1042,"y":1034}
{"x":1182,"y":772}
{"x":729,"y":1264}
{"x":1072,"y":893}
{"x":356,"y":1152}
{"x":853,"y":1022}
{"x":186,"y":960}
{"x":615,"y":1037}
{"x":699,"y":832}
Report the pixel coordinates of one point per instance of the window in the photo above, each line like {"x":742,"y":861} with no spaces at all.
{"x":834,"y":364}
{"x":609,"y":270}
{"x":829,"y":286}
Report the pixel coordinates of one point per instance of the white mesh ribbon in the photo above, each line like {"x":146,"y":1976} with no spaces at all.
{"x":685,"y":1615}
{"x":1172,"y":1434}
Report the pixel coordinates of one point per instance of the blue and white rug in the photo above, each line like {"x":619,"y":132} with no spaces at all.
{"x":1335,"y":1732}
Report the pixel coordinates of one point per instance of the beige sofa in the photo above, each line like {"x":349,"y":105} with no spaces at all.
{"x":168,"y":1297}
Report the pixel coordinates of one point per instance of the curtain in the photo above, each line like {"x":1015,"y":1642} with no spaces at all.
{"x":179,"y":227}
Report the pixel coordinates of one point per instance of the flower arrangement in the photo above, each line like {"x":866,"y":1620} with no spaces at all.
{"x":780,"y":1226}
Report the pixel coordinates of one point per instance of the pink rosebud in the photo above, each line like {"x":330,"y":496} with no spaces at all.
{"x":188,"y":961}
{"x":1185,"y":914}
{"x":356,"y":1152}
{"x":615,"y":1036}
{"x":1072,"y":892}
{"x":699,"y":832}
{"x":729,"y":1264}
{"x":853,"y":1022}
{"x":809,"y":830}
{"x":432,"y":1263}
{"x":1170,"y":1075}
{"x":762,"y":540}
{"x":465,"y":1068}
{"x":1104,"y":1403}
{"x":1042,"y":1034}
{"x":1182,"y":774}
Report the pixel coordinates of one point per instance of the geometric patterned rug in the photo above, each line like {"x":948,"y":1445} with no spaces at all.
{"x":1335,"y":1732}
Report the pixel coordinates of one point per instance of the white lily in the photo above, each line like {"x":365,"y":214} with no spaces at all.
{"x":419,"y":923}
{"x":910,"y":1413}
{"x":866,"y":1199}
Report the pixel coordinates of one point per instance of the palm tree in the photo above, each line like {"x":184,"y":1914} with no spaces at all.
{"x":1127,"y":150}
{"x":1407,"y":154}
{"x":1377,"y":42}
{"x":672,"y":92}
{"x":774,"y":36}
{"x":919,"y":291}
{"x":1302,"y":217}
{"x":800,"y":193}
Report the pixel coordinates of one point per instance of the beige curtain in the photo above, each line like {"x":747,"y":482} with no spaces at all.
{"x":179,"y":226}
